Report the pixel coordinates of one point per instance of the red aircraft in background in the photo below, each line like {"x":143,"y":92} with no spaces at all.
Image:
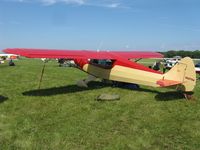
{"x":116,"y":66}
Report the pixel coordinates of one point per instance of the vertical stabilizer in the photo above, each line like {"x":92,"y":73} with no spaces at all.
{"x":184,"y":74}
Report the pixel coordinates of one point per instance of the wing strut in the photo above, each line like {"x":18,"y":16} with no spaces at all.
{"x":136,"y":60}
{"x":41,"y":76}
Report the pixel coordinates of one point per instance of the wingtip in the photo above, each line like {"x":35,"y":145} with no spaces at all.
{"x":10,"y":50}
{"x":6,"y":50}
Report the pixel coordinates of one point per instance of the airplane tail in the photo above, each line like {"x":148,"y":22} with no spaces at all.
{"x":182,"y":75}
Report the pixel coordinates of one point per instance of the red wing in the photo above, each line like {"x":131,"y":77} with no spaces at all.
{"x":137,"y":54}
{"x":74,"y":54}
{"x":47,"y":53}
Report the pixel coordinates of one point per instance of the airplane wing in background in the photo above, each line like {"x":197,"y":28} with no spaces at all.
{"x":81,"y":54}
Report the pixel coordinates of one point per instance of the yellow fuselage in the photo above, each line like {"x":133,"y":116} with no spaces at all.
{"x":124,"y":74}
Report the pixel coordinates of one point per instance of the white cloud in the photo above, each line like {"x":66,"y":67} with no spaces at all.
{"x":95,"y":3}
{"x":50,"y":2}
{"x":113,"y":5}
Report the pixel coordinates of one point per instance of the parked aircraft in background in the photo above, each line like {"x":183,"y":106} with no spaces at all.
{"x":170,"y":62}
{"x":197,"y":68}
{"x":9,"y":56}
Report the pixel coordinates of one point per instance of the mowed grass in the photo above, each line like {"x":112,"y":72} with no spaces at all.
{"x":63,"y":116}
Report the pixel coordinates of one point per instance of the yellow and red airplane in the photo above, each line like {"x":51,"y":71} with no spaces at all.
{"x":116,"y":66}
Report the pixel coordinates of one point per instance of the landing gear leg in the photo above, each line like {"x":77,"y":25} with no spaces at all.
{"x":84,"y":82}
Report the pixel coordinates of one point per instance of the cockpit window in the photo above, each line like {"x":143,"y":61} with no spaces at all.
{"x":103,"y":63}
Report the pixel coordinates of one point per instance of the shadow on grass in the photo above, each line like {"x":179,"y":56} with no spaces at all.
{"x":169,"y":96}
{"x":147,"y":90}
{"x":164,"y":96}
{"x":2,"y":99}
{"x":160,"y":96}
{"x":64,"y":89}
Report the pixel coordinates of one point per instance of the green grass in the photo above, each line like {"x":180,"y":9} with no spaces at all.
{"x":64,"y":116}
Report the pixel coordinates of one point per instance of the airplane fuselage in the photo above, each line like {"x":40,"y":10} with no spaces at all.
{"x":131,"y":72}
{"x":121,"y":72}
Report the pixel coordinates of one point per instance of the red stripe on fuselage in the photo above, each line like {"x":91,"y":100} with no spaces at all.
{"x":135,"y":65}
{"x":121,"y":61}
{"x":81,"y":62}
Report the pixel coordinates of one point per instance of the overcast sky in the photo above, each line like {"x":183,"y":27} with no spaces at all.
{"x":150,"y":25}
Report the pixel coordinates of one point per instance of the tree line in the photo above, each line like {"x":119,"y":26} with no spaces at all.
{"x":182,"y":53}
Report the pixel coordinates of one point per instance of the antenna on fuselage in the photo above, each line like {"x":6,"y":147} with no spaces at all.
{"x":99,"y":47}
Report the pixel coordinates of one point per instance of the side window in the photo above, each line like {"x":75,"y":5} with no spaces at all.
{"x":103,"y":63}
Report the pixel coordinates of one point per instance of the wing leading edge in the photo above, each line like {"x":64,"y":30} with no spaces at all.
{"x":80,"y":54}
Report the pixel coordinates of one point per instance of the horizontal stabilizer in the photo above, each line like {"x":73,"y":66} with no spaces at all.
{"x":165,"y":82}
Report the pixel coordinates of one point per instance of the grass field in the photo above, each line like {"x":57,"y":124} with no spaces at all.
{"x":63,"y":116}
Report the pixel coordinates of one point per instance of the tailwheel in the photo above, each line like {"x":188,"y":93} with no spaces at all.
{"x":188,"y":95}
